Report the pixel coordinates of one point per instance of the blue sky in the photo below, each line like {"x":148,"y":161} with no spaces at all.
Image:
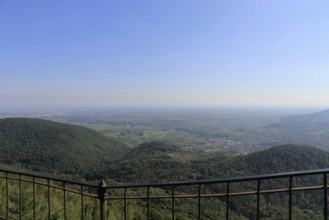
{"x":164,"y":52}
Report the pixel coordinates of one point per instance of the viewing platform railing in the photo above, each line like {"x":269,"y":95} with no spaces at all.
{"x":16,"y":187}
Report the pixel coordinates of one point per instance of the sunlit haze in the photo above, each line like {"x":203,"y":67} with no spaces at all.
{"x":169,"y":52}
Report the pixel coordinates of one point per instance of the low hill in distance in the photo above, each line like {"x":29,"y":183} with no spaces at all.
{"x":317,"y":117}
{"x":48,"y":146}
{"x":311,"y":129}
{"x":158,"y":165}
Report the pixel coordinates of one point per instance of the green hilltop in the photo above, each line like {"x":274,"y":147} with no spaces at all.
{"x":48,"y":146}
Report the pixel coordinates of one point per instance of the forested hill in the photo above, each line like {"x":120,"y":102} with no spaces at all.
{"x":161,"y":164}
{"x":49,"y":146}
{"x":311,"y":129}
{"x":57,"y":148}
{"x":283,"y":158}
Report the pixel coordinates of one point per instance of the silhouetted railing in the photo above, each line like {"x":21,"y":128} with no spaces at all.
{"x":21,"y":193}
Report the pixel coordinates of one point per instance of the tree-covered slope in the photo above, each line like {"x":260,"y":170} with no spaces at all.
{"x":150,"y":162}
{"x":51,"y":146}
{"x":48,"y":146}
{"x":310,"y":129}
{"x":154,"y":162}
{"x":283,"y":158}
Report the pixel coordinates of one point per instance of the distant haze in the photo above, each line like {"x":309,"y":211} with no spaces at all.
{"x":164,"y":53}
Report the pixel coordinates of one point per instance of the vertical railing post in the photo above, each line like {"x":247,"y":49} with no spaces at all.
{"x":199,"y":202}
{"x":34,"y":203}
{"x":64,"y":200}
{"x":102,"y":199}
{"x":290,"y":198}
{"x":82,"y":204}
{"x":227,"y":200}
{"x":325,"y":196}
{"x":49,"y":207}
{"x":125,"y":203}
{"x":173,"y":202}
{"x":148,"y":203}
{"x":258,"y":198}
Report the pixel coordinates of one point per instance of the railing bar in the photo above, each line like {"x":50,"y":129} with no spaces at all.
{"x":50,"y":178}
{"x":325,"y":196}
{"x":227,"y":200}
{"x":58,"y":187}
{"x":34,"y":202}
{"x":82,"y":203}
{"x":220,"y":195}
{"x":27,"y":181}
{"x":213,"y":181}
{"x":155,"y":197}
{"x":306,"y":188}
{"x":290,"y":197}
{"x":137,"y":198}
{"x":173,"y":202}
{"x":64,"y":195}
{"x":76,"y":192}
{"x":90,"y":196}
{"x":277,"y":190}
{"x":199,"y":202}
{"x":46,"y":184}
{"x":20,"y":198}
{"x":243,"y":193}
{"x":180,"y":196}
{"x":125,"y":203}
{"x":48,"y":199}
{"x":258,"y":198}
{"x":186,"y":196}
{"x":213,"y":195}
{"x":23,"y":180}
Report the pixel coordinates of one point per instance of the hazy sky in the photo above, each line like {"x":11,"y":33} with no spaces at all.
{"x":164,"y":52}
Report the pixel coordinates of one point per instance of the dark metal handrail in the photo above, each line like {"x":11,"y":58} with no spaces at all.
{"x":105,"y":194}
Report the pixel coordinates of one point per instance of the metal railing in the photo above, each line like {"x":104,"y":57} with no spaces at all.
{"x":149,"y":197}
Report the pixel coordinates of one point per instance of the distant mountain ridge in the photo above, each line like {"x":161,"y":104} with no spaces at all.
{"x":309,"y":129}
{"x":321,"y":116}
